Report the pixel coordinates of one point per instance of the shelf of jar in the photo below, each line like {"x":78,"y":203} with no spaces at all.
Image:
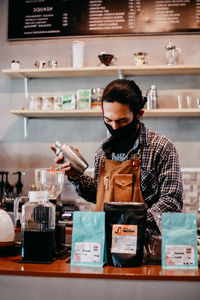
{"x":103,"y":71}
{"x":55,"y":113}
{"x":92,"y":113}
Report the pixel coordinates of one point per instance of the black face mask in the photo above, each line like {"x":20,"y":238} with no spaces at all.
{"x":125,"y":132}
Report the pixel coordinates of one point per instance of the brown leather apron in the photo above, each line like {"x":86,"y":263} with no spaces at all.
{"x":119,"y":182}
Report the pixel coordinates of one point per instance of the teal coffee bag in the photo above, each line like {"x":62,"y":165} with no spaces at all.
{"x":179,"y":240}
{"x":88,"y":239}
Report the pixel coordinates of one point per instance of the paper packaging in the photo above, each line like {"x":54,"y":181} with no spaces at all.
{"x":179,"y":241}
{"x":84,"y":99}
{"x":88,"y":239}
{"x":69,"y":101}
{"x":125,"y":229}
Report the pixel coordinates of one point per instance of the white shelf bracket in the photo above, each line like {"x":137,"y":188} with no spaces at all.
{"x":26,"y":86}
{"x":121,"y":74}
{"x":26,"y":119}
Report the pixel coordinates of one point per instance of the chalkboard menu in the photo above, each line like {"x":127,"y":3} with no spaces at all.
{"x":67,"y":18}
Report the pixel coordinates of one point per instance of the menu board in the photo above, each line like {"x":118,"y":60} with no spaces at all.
{"x":67,"y":18}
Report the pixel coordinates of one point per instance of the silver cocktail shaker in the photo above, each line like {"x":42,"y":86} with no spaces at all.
{"x":70,"y":154}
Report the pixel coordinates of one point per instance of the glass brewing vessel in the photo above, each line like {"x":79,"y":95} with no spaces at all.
{"x":38,"y":228}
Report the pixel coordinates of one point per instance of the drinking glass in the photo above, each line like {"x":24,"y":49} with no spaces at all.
{"x":180,"y":102}
{"x":198,"y":103}
{"x":189,"y":101}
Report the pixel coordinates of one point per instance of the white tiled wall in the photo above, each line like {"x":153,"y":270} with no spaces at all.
{"x":191,"y":189}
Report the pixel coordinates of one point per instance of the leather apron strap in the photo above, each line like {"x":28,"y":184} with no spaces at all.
{"x":119,"y":182}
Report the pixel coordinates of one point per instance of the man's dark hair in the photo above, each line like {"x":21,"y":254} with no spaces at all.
{"x":125,"y":92}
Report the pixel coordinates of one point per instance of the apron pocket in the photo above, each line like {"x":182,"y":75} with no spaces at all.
{"x":123,"y":187}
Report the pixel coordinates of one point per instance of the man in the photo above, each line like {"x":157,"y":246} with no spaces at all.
{"x":135,"y":163}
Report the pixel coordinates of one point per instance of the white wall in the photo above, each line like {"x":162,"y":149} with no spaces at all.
{"x":17,"y":153}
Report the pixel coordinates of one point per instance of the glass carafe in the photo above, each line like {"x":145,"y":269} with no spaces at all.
{"x":38,"y":228}
{"x":172,"y":54}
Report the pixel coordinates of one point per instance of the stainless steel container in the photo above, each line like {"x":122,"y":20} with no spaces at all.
{"x":70,"y":154}
{"x":152,"y":97}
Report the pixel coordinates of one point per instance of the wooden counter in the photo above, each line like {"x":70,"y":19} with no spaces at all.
{"x":60,"y":280}
{"x":63,"y":268}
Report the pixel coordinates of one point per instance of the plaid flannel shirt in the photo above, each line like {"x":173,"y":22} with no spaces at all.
{"x":161,"y":182}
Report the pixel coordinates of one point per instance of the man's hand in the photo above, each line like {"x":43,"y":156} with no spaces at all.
{"x":65,"y":166}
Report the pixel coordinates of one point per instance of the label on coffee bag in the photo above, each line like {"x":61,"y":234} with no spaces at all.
{"x":180,"y":255}
{"x":87,"y":252}
{"x":124,"y":239}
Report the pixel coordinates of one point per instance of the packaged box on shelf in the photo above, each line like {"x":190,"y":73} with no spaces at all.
{"x":84,"y":99}
{"x":69,"y":101}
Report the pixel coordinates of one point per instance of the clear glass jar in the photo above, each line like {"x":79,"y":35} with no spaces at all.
{"x":35,"y":103}
{"x":47,"y":103}
{"x":172,"y":54}
{"x":96,"y":95}
{"x":38,"y":228}
{"x":57,"y":104}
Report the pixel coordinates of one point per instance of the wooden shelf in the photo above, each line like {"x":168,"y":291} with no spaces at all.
{"x":172,"y":112}
{"x":117,"y":71}
{"x":93,"y":113}
{"x":103,"y":71}
{"x":54,"y":114}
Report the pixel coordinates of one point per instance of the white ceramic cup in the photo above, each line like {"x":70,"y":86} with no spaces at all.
{"x":78,"y":54}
